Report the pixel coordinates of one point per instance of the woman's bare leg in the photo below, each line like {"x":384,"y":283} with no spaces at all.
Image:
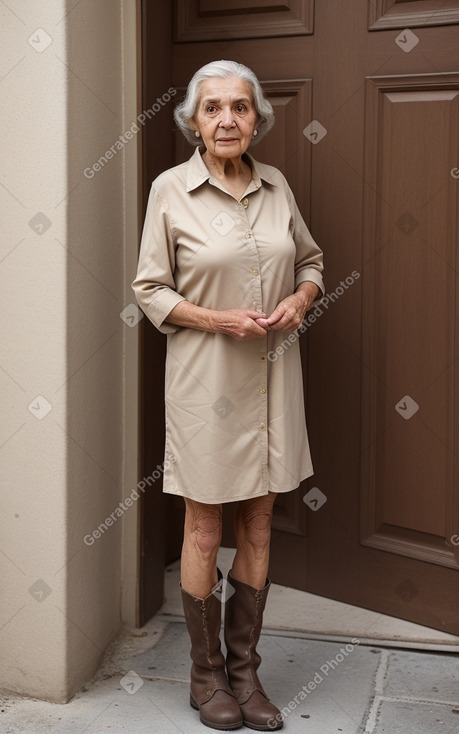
{"x":201,"y":541}
{"x":252,"y":526}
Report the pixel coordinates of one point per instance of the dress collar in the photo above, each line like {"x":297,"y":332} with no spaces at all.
{"x":198,"y":172}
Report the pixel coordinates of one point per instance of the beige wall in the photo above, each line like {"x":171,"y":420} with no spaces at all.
{"x":68,"y":368}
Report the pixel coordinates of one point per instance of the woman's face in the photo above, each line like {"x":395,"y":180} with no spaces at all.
{"x":225,"y":116}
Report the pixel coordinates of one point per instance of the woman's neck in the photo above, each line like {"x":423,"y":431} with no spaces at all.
{"x":226,"y":168}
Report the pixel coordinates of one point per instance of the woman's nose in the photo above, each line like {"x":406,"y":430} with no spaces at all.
{"x":226,"y":118}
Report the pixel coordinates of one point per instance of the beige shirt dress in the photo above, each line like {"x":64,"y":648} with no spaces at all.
{"x":235,"y":422}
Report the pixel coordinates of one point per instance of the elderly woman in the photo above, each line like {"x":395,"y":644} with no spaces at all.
{"x":227,"y":270}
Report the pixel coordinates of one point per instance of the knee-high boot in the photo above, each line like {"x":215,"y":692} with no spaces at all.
{"x":210,"y":692}
{"x":243,"y":622}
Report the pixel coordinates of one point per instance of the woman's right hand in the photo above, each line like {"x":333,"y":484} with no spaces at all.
{"x":239,"y":323}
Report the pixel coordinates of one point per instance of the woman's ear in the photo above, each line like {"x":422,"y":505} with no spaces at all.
{"x":194,"y":128}
{"x":260,"y":121}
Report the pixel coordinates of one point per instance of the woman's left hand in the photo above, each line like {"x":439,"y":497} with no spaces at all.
{"x":290,"y":312}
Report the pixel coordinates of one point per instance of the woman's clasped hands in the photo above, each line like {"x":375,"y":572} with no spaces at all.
{"x":244,"y":324}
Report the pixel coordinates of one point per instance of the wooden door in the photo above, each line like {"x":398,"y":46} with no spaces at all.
{"x":366,"y":97}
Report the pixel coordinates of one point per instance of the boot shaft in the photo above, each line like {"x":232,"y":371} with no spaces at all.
{"x":203,"y":620}
{"x":243,"y":623}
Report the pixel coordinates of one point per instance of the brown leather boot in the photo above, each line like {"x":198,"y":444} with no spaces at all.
{"x":243,"y":622}
{"x":210,"y":692}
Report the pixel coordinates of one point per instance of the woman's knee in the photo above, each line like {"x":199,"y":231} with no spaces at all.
{"x":253,"y":521}
{"x":204,"y":523}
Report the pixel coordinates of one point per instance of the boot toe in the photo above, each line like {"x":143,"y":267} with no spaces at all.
{"x":221,"y":712}
{"x":260,"y":714}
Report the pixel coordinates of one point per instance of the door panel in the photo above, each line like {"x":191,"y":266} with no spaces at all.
{"x":292,"y":103}
{"x":385,"y":14}
{"x":409,"y":497}
{"x":210,"y":20}
{"x":379,"y":193}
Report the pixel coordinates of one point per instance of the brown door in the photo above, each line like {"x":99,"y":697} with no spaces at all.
{"x":366,"y":97}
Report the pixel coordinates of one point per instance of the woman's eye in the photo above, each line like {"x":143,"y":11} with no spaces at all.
{"x":211,"y":108}
{"x":240,"y":108}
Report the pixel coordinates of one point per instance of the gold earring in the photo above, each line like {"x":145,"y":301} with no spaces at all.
{"x":197,"y":133}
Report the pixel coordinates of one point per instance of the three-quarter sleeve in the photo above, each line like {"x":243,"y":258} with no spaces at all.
{"x":154,"y":284}
{"x":309,"y":256}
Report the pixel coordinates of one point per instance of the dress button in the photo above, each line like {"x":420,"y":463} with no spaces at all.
{"x":255,"y":272}
{"x":245,"y":202}
{"x":261,"y":426}
{"x":262,"y":391}
{"x":248,"y":235}
{"x":263,"y":357}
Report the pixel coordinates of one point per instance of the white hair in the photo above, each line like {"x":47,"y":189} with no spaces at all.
{"x":186,"y":110}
